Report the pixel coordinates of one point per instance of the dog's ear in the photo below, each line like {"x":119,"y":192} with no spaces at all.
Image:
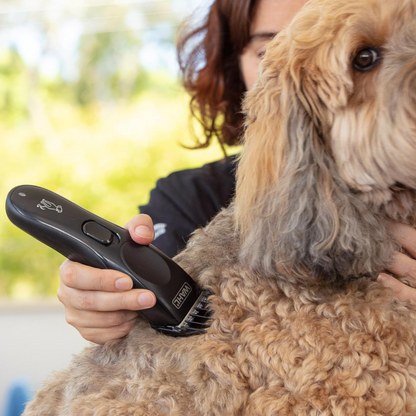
{"x":293,"y":211}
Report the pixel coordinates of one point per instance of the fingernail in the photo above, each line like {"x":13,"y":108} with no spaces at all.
{"x":123,"y":284}
{"x":146,"y":300}
{"x":381,"y":278}
{"x":143,"y":231}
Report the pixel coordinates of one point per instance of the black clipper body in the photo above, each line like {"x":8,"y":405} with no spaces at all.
{"x":181,"y":307}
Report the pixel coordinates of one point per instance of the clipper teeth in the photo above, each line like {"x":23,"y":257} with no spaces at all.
{"x":196,"y":321}
{"x":199,"y":317}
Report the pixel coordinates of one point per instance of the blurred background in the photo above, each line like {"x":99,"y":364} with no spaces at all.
{"x":91,"y":108}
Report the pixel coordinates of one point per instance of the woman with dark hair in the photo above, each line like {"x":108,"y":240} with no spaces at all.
{"x":219,"y":61}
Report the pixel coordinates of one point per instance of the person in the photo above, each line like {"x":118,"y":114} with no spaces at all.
{"x":101,"y":304}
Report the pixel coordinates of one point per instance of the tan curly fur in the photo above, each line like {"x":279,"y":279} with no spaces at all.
{"x":299,"y":326}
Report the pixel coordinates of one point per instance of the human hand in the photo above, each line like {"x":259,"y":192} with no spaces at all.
{"x":403,"y":265}
{"x":101,"y":304}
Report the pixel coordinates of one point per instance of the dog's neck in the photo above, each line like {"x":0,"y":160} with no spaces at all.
{"x":305,"y":258}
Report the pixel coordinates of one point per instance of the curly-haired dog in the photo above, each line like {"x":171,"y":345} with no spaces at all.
{"x":299,"y":327}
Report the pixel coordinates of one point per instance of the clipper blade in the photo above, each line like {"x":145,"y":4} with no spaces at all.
{"x":196,"y":322}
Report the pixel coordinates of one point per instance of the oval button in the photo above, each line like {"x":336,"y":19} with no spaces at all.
{"x":98,"y":232}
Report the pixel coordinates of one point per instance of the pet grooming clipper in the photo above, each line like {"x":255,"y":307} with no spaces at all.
{"x":181,"y":306}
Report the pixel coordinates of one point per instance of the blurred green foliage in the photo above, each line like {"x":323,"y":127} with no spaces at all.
{"x":101,"y":140}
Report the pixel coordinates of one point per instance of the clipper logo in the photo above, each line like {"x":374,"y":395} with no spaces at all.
{"x":44,"y":204}
{"x":181,"y":296}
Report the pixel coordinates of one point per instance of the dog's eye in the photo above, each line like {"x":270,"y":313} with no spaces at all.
{"x":366,"y":59}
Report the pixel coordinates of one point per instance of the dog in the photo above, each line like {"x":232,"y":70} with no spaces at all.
{"x":299,"y":326}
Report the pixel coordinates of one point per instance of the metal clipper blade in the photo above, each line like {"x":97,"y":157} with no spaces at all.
{"x":196,"y":322}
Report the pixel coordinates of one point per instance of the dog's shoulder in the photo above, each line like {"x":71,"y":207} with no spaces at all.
{"x":211,"y":249}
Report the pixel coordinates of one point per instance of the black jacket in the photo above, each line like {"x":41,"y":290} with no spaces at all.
{"x":187,"y":200}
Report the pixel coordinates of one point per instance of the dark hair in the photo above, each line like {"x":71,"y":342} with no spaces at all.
{"x":208,"y":57}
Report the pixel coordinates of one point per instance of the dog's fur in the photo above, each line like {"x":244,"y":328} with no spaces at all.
{"x":299,"y":326}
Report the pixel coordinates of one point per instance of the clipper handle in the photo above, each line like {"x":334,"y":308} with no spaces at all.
{"x":89,"y":239}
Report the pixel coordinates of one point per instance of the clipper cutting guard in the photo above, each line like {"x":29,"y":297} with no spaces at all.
{"x":181,"y":308}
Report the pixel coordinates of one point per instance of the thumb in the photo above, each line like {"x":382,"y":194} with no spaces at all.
{"x":141,"y":229}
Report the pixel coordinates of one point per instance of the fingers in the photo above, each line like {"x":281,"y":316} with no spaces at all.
{"x":81,"y":277}
{"x":86,"y":288}
{"x":141,"y":229}
{"x":403,"y":266}
{"x":102,"y":335}
{"x":405,"y":235}
{"x":89,"y":300}
{"x":100,"y":304}
{"x":402,"y":291}
{"x":98,"y":320}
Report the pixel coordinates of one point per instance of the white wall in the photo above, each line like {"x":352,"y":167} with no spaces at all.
{"x":34,"y":341}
